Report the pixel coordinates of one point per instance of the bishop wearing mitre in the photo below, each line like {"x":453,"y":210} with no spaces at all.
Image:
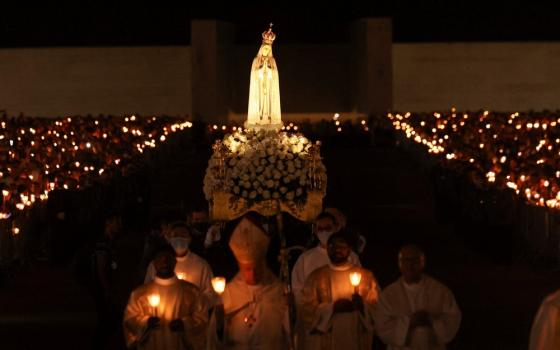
{"x":254,"y":313}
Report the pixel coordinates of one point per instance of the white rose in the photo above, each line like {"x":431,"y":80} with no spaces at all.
{"x":299,"y":191}
{"x":244,"y":194}
{"x":253,"y":194}
{"x":256,"y":184}
{"x":275,"y":195}
{"x":290,"y":196}
{"x":271,"y":159}
{"x":247,"y":184}
{"x":232,"y":162}
{"x":266,"y":194}
{"x":260,"y":178}
{"x":283,"y":189}
{"x":270,"y":183}
{"x":236,"y":189}
{"x":289,"y":156}
{"x":276,"y":175}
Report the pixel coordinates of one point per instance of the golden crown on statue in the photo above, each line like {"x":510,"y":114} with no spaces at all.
{"x":268,"y":36}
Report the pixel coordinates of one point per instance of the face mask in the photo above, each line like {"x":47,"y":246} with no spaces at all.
{"x":324,"y":236}
{"x":180,"y":244}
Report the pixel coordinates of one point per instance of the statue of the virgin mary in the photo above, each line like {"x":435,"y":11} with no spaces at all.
{"x":264,"y":90}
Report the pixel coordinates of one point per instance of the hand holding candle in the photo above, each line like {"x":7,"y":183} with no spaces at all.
{"x":154,"y":300}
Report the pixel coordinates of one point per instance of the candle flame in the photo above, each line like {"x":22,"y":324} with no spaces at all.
{"x":154,"y":300}
{"x":355,"y":278}
{"x":219,"y":284}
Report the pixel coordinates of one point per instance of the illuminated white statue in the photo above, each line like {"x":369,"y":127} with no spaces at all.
{"x":264,"y":90}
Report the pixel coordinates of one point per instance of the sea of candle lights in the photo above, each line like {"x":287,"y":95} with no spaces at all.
{"x":517,"y":151}
{"x":362,"y":124}
{"x":39,"y":155}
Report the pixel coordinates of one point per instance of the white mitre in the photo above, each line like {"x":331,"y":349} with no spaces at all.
{"x":249,"y":242}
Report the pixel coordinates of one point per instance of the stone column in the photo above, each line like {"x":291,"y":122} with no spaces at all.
{"x":211,"y":57}
{"x":371,"y":65}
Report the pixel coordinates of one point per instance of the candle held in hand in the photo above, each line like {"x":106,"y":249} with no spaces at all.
{"x":355,"y":279}
{"x":154,"y":300}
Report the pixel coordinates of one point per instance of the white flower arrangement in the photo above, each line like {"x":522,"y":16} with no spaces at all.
{"x":265,"y":165}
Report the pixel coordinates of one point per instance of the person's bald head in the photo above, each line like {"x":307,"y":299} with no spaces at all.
{"x":412,"y":261}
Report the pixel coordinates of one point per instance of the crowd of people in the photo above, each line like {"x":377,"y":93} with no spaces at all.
{"x":58,"y":174}
{"x":332,"y":302}
{"x":511,"y":150}
{"x":494,"y":170}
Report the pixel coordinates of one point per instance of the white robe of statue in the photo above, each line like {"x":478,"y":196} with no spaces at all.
{"x":178,"y":300}
{"x":545,"y":332}
{"x":310,"y":261}
{"x":327,"y":330}
{"x":264,"y":91}
{"x":193,"y":269}
{"x":399,"y":301}
{"x":256,"y":317}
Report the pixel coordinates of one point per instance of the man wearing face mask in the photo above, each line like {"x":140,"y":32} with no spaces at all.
{"x":314,"y":258}
{"x":190,"y":267}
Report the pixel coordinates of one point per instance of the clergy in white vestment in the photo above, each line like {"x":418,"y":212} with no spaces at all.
{"x":337,"y":314}
{"x":416,"y":311}
{"x":189,"y":266}
{"x":254,"y":313}
{"x":167,"y":313}
{"x":314,"y":258}
{"x":545,"y":332}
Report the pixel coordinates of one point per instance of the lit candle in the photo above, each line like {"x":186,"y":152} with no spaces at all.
{"x":154,"y":300}
{"x":355,"y":279}
{"x":219,"y":284}
{"x":181,"y":276}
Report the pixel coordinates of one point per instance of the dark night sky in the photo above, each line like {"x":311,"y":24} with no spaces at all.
{"x":84,"y":23}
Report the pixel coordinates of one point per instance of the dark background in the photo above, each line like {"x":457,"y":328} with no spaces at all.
{"x":97,"y":23}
